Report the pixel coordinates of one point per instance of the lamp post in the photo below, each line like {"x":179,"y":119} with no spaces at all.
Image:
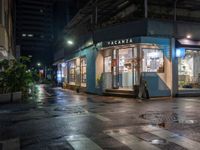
{"x":38,"y":64}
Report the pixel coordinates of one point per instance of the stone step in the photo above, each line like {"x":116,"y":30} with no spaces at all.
{"x":119,"y":91}
{"x":119,"y":94}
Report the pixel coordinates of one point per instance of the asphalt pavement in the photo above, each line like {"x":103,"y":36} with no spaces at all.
{"x":58,"y":119}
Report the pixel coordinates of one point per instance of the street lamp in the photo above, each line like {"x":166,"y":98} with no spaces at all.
{"x":38,"y":64}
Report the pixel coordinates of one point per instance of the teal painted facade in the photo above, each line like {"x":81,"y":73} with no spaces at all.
{"x":90,"y":53}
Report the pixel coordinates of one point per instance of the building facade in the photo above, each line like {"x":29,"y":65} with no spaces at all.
{"x":169,"y":64}
{"x":163,"y":52}
{"x":34,"y":29}
{"x":7,"y":32}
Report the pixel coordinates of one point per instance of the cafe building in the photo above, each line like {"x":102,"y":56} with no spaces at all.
{"x":118,"y":57}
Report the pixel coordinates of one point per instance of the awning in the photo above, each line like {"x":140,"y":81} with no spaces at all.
{"x":187,"y":43}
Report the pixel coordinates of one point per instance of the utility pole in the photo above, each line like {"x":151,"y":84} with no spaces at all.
{"x":175,"y":3}
{"x":146,"y":8}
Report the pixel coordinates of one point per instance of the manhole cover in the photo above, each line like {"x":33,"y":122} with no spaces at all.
{"x":160,"y":117}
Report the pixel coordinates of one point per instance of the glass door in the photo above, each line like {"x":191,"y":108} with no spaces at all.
{"x":125,"y":68}
{"x":115,"y":69}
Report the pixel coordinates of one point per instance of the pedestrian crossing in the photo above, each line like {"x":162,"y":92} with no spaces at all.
{"x":172,"y":137}
{"x":81,"y":142}
{"x":133,"y":141}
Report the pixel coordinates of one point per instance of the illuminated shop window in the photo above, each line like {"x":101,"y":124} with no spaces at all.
{"x":83,"y":69}
{"x":189,"y":70}
{"x":107,"y":64}
{"x":72,"y":69}
{"x":64,"y":71}
{"x":153,"y":60}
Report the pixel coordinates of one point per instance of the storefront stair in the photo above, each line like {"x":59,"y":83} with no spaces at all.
{"x":119,"y":93}
{"x":188,"y":93}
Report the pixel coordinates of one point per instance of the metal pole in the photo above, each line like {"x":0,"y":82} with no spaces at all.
{"x":96,"y":14}
{"x":146,"y":8}
{"x":175,"y":9}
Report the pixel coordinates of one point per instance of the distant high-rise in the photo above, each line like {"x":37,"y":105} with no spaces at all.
{"x":35,"y":29}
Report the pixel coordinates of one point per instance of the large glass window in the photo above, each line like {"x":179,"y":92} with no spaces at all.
{"x":189,"y":70}
{"x":64,"y":71}
{"x":83,"y":69}
{"x":107,"y":64}
{"x":152,"y":60}
{"x":72,"y":69}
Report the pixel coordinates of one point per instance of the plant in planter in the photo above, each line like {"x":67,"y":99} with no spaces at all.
{"x":14,"y":76}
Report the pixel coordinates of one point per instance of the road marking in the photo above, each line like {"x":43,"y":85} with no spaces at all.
{"x":98,"y":116}
{"x":172,"y":137}
{"x":102,"y":118}
{"x":81,"y":142}
{"x":47,"y":93}
{"x":129,"y":140}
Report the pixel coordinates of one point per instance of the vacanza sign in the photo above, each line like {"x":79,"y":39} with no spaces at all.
{"x":118,"y":42}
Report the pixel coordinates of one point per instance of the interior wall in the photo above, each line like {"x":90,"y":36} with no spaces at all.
{"x":99,"y":65}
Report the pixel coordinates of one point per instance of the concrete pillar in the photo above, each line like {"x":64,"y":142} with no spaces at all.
{"x":174,"y":68}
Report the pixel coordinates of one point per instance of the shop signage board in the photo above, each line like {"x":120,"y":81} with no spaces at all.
{"x":118,"y":42}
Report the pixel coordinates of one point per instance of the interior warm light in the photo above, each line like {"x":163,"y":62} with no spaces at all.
{"x":188,"y":36}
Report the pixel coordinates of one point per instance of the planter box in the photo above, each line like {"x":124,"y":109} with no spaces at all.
{"x":17,"y":96}
{"x":5,"y":98}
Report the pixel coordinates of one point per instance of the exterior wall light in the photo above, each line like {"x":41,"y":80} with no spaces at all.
{"x":38,"y":64}
{"x":70,"y":42}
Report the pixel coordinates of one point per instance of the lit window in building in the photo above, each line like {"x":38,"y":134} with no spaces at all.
{"x":153,"y":60}
{"x":83,"y":69}
{"x":23,"y":35}
{"x":72,"y":69}
{"x":30,"y":35}
{"x":189,"y":70}
{"x":107,"y":64}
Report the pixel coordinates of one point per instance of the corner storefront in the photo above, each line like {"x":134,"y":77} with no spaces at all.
{"x":124,"y":61}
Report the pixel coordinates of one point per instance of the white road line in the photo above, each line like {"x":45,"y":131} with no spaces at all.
{"x":102,"y":118}
{"x":172,"y":137}
{"x":47,"y":93}
{"x":98,"y":116}
{"x":130,"y":140}
{"x":81,"y":142}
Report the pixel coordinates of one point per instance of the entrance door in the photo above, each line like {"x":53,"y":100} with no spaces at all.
{"x":125,"y":68}
{"x":122,"y":68}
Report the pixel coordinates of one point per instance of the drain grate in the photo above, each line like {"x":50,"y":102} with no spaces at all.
{"x":160,"y":117}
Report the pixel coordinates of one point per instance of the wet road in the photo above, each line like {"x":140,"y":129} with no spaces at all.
{"x":64,"y":120}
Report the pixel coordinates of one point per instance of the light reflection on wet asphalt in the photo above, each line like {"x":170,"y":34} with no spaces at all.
{"x":99,"y":122}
